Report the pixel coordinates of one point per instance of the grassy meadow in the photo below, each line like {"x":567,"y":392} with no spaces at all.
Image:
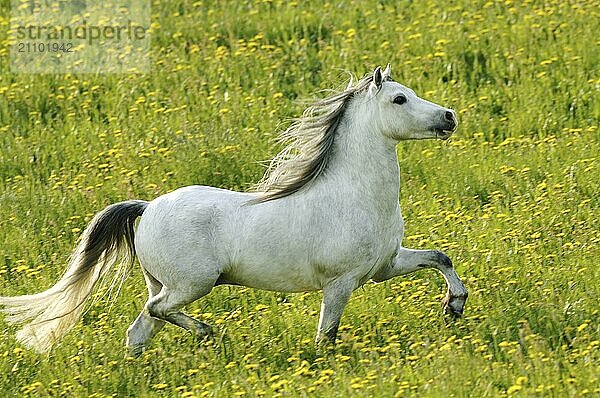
{"x":513,"y":198}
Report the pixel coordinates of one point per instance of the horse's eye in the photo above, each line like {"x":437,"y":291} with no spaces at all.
{"x":400,"y":99}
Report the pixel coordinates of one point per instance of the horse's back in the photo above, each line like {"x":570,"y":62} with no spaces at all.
{"x":183,"y":230}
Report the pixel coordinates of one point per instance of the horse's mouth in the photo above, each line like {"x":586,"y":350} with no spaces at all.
{"x":443,"y":134}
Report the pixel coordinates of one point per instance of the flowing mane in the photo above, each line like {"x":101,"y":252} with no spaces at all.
{"x":310,"y":141}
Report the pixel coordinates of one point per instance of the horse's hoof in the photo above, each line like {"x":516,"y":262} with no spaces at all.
{"x":455,"y":313}
{"x":200,"y":328}
{"x":134,"y":352}
{"x":454,"y":306}
{"x":325,"y":340}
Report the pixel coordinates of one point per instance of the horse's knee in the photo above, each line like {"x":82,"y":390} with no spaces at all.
{"x":157,"y":307}
{"x":155,"y":310}
{"x":163,"y":304}
{"x":442,"y":259}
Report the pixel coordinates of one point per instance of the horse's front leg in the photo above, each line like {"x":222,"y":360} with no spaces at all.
{"x":410,"y":260}
{"x":335,"y":297}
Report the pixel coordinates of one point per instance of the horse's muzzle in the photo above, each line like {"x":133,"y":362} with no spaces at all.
{"x":447,"y":125}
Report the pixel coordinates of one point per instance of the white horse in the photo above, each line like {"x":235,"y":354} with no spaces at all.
{"x":326,"y":217}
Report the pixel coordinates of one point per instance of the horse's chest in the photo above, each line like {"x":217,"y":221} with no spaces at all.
{"x":367,"y":242}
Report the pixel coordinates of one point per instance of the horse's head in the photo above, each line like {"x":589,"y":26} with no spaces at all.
{"x":401,"y":115}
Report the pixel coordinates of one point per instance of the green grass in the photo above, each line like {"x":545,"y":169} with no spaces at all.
{"x":513,"y":199}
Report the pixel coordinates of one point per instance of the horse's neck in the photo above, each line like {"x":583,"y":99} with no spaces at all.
{"x":366,"y":164}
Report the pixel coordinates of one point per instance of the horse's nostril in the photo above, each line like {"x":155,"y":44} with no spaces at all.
{"x":449,"y":116}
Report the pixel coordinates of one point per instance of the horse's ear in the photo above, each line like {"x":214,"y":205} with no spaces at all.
{"x":387,"y":72}
{"x":377,"y":77}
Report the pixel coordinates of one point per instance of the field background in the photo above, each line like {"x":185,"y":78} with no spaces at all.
{"x":513,"y":198}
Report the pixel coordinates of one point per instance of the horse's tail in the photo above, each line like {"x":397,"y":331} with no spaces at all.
{"x":45,"y":317}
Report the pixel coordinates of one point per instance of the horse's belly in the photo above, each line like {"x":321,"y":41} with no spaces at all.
{"x":291,"y":278}
{"x":300,"y":270}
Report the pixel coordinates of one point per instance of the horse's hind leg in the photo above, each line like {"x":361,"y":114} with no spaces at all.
{"x":167,"y":305}
{"x":144,"y":327}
